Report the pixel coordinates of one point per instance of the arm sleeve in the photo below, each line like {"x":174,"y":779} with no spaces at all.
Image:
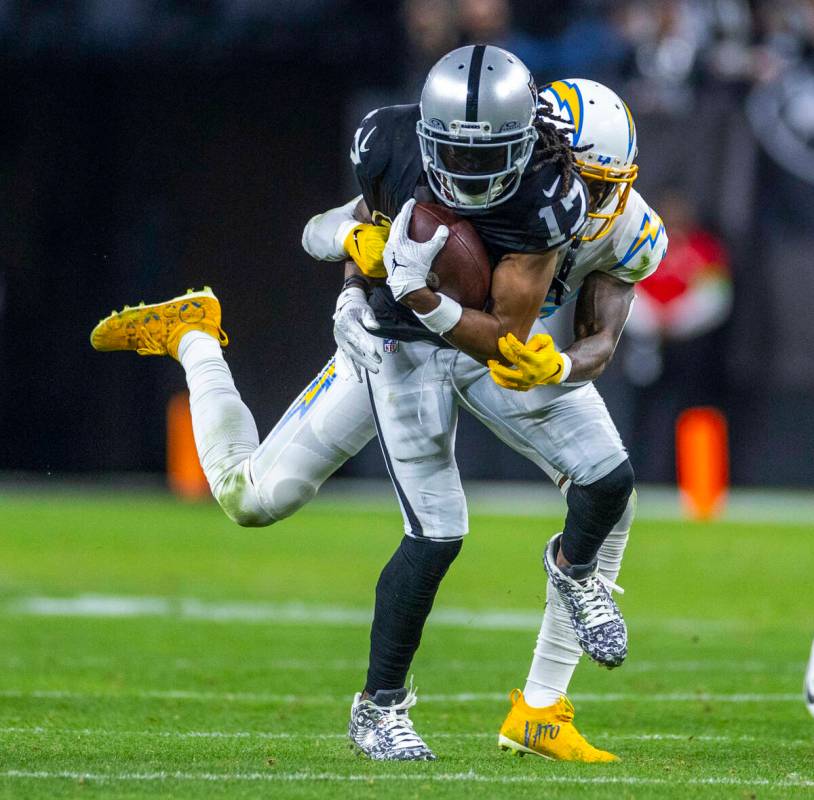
{"x":324,"y":235}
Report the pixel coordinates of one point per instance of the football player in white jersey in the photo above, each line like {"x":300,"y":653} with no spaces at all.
{"x":258,"y":484}
{"x":625,"y":238}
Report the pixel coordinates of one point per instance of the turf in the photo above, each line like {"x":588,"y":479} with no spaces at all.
{"x":173,"y":703}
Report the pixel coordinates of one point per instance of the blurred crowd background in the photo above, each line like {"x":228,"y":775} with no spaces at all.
{"x":148,"y":146}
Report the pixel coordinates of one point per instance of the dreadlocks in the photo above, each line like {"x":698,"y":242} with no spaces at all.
{"x":552,"y":145}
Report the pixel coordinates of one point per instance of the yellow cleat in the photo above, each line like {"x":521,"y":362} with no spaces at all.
{"x":156,"y":330}
{"x":548,"y":732}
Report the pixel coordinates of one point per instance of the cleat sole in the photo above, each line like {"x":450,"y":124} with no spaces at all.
{"x":517,"y":749}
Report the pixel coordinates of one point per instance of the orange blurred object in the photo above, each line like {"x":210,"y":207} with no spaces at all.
{"x":702,"y":461}
{"x":184,"y":473}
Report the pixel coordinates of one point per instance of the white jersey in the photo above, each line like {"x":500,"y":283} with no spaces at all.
{"x":631,"y":251}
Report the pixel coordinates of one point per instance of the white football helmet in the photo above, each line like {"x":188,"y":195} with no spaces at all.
{"x":602,"y":124}
{"x":476,"y":130}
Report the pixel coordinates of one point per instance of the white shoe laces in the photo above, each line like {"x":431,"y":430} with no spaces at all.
{"x":598,"y":605}
{"x":395,"y":721}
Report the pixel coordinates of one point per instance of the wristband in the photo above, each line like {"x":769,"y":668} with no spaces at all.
{"x":356,"y":281}
{"x":567,"y":365}
{"x":444,"y":317}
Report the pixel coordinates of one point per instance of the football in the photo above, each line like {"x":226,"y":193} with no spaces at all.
{"x":462,"y":269}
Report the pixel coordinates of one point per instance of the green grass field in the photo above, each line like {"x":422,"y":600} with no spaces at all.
{"x":150,"y":648}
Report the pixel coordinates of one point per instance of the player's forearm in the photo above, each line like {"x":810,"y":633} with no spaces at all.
{"x":602,"y":310}
{"x":476,"y":332}
{"x":353,"y":271}
{"x":590,"y":356}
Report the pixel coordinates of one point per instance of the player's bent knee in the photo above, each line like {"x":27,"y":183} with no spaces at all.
{"x":603,"y":502}
{"x":237,"y":497}
{"x":617,"y":484}
{"x":249,"y":517}
{"x":287,"y":496}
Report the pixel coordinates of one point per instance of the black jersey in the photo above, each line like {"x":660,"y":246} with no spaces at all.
{"x":387,"y":160}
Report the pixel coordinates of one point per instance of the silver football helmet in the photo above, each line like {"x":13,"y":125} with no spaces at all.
{"x":477,"y":126}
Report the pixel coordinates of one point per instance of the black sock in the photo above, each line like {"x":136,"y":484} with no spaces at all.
{"x":593,"y":510}
{"x":404,"y":597}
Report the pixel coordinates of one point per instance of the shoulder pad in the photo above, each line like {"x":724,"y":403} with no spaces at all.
{"x":560,"y":215}
{"x":360,"y":146}
{"x":381,"y":132}
{"x":639,"y":241}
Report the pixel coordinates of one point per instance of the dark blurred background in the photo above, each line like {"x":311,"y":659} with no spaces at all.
{"x":148,"y":146}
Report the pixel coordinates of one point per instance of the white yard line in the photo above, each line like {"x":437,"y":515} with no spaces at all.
{"x":669,"y":665}
{"x":464,"y":697}
{"x":265,"y":735}
{"x":423,"y":776}
{"x":97,"y":606}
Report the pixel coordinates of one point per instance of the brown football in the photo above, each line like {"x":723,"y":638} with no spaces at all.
{"x":461,"y":270}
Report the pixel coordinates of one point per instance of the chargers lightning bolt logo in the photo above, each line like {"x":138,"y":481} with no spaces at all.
{"x":649,"y":232}
{"x":631,"y":130}
{"x":569,"y":100}
{"x":322,"y":382}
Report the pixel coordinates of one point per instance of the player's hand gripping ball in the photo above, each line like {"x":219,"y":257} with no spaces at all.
{"x":407,"y":261}
{"x":537,"y":362}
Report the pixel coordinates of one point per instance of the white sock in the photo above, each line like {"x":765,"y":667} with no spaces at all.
{"x":225,"y":431}
{"x":555,"y":657}
{"x":558,"y":652}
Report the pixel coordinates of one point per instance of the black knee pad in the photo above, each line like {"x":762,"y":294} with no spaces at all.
{"x":593,"y":510}
{"x":618,"y":483}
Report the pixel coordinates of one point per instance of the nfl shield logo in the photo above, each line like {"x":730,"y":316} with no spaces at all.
{"x":391,"y":345}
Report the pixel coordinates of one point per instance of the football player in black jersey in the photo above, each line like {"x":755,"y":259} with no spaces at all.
{"x":476,"y":143}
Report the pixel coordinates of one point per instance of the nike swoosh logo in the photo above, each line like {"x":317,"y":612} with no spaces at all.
{"x":551,"y":189}
{"x":554,"y":374}
{"x":363,"y":149}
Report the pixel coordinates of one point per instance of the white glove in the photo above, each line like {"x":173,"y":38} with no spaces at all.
{"x":352,"y":320}
{"x":408,"y":262}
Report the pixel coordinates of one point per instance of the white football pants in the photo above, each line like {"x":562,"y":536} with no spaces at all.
{"x":566,"y":431}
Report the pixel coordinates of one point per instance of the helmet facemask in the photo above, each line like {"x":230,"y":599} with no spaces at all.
{"x":471,"y":168}
{"x":611,"y":198}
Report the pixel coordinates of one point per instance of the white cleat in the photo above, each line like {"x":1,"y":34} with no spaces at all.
{"x":381,"y":728}
{"x":595,"y":617}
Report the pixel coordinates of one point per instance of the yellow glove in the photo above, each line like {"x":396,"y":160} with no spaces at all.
{"x":537,"y":362}
{"x":365,"y":244}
